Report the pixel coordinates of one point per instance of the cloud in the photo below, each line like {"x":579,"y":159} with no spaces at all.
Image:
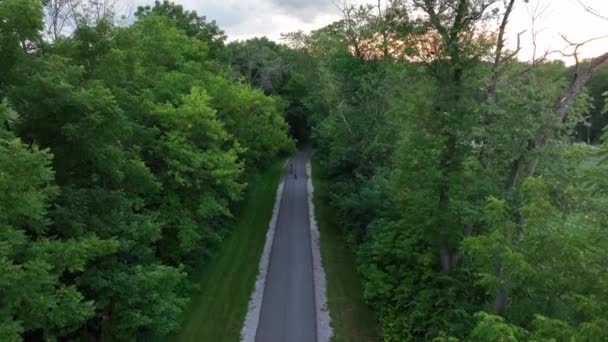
{"x":306,"y":11}
{"x":275,"y":24}
{"x":243,"y":19}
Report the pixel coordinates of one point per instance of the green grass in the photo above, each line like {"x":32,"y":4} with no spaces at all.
{"x":218,"y":309}
{"x":351,"y":319}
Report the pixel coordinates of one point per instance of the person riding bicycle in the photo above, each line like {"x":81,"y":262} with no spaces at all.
{"x":295,"y":176}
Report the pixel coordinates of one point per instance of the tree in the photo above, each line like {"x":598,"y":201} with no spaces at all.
{"x":32,"y":260}
{"x":194,"y":149}
{"x":260,"y":62}
{"x":448,"y":218}
{"x":20,"y":26}
{"x":590,"y":130}
{"x":123,"y":169}
{"x":189,"y":21}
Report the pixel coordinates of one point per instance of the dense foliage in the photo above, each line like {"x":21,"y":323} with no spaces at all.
{"x":279,"y":71}
{"x":470,"y":184}
{"x":123,"y":153}
{"x":456,"y":173}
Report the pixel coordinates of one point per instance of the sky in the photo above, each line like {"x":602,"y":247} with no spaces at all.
{"x":242,"y":19}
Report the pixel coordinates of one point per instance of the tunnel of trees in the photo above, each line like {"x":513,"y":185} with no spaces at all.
{"x":470,"y":184}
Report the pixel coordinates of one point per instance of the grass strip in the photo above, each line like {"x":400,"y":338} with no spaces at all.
{"x":218,"y":308}
{"x":351,"y":319}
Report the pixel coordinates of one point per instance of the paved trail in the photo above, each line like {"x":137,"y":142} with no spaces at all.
{"x":288,"y":306}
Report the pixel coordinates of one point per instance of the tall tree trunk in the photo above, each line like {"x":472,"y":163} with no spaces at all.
{"x":443,"y":207}
{"x":500,"y":299}
{"x":500,"y":44}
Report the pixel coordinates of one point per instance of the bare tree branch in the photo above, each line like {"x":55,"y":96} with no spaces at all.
{"x":592,"y":10}
{"x":577,"y":46}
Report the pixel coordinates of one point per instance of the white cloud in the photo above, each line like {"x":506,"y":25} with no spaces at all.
{"x":242,"y":19}
{"x":250,"y":18}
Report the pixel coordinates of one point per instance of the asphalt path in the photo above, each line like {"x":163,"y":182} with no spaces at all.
{"x":288,"y":306}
